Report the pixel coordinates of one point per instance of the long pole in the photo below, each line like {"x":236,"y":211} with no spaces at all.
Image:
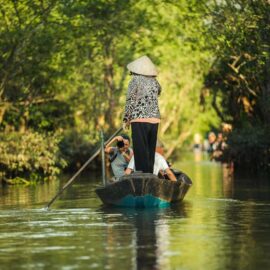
{"x":103,"y":158}
{"x":79,"y":171}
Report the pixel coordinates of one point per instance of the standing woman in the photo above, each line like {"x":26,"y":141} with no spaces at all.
{"x":142,"y":112}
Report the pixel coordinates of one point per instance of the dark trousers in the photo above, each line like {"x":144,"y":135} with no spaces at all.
{"x":144,"y":137}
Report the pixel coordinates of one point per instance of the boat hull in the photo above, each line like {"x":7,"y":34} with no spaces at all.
{"x":144,"y":190}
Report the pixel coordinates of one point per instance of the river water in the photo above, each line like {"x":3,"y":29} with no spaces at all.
{"x":223,"y":223}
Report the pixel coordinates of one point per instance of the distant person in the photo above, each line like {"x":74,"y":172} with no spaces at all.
{"x":142,"y":112}
{"x":160,"y":167}
{"x":220,"y":142}
{"x":119,"y":155}
{"x":212,"y":142}
{"x":197,"y":146}
{"x":219,"y":148}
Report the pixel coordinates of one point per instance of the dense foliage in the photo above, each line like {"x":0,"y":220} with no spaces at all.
{"x":249,"y":148}
{"x":30,"y":156}
{"x":63,"y":67}
{"x":239,"y":79}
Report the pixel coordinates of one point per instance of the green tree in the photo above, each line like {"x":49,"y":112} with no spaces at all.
{"x":239,"y":77}
{"x":31,"y":45}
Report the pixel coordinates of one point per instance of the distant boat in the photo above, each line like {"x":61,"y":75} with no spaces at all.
{"x":144,"y":190}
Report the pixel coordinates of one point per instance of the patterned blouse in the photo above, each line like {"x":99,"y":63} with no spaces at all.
{"x":142,"y":98}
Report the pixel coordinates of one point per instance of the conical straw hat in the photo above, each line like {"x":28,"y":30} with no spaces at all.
{"x":143,"y":66}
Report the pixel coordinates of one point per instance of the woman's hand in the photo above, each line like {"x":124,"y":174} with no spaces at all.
{"x":126,"y":126}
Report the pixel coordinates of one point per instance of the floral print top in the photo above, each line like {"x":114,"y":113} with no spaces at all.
{"x":142,"y":98}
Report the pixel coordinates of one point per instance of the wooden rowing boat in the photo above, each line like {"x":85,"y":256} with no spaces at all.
{"x":144,"y":190}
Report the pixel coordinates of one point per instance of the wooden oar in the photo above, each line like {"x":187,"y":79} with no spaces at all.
{"x":80,"y":170}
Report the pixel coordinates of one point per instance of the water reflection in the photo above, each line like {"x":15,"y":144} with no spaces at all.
{"x":150,"y":234}
{"x":223,"y":223}
{"x":25,"y":196}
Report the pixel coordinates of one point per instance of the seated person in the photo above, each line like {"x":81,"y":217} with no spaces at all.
{"x":160,"y":166}
{"x":120,"y":155}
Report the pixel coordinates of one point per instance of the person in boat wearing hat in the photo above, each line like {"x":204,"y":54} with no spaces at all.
{"x":142,"y":112}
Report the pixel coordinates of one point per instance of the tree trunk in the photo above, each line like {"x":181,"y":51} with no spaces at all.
{"x":178,"y":142}
{"x":109,"y":88}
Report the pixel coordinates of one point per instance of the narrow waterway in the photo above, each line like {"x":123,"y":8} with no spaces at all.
{"x":223,"y":223}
